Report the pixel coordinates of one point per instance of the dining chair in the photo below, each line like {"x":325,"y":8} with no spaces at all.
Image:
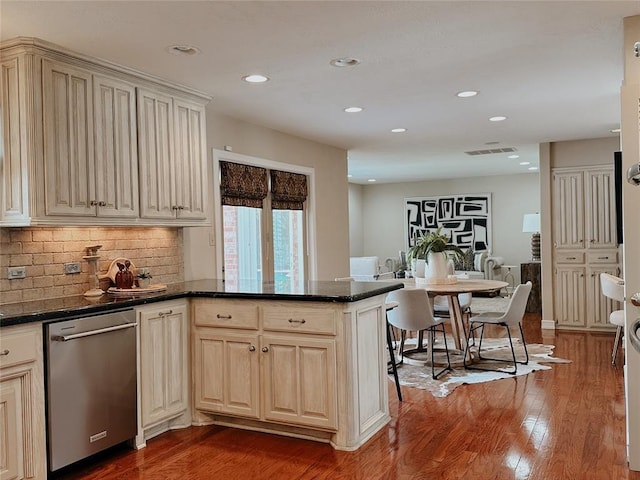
{"x":414,"y":313}
{"x":613,"y":287}
{"x":513,"y":316}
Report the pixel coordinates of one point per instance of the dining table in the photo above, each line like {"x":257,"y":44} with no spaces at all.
{"x":451,"y":291}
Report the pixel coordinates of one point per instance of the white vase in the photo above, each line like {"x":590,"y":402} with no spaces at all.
{"x":436,"y":267}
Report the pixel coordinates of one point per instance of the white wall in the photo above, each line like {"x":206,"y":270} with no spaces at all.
{"x":331,"y":188}
{"x":511,"y":197}
{"x":356,"y":230}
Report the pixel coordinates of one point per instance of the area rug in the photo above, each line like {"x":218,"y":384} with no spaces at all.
{"x":420,"y":376}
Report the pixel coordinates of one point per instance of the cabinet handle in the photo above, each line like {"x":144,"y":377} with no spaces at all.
{"x":102,"y":204}
{"x":180,"y":207}
{"x":163,"y":314}
{"x":175,"y":207}
{"x":291,"y":320}
{"x":252,"y":348}
{"x":4,"y":352}
{"x":603,"y":258}
{"x":93,"y":203}
{"x":226,"y":317}
{"x":571,"y":258}
{"x":265,"y":349}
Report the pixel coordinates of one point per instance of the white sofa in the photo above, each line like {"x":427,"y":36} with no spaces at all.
{"x":367,"y":269}
{"x":485,"y":266}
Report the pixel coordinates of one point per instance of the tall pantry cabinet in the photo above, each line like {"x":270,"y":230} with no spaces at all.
{"x":584,"y":245}
{"x":82,"y":148}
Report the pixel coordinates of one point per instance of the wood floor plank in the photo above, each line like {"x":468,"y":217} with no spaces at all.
{"x":559,"y":424}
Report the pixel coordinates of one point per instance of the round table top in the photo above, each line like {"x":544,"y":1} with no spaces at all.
{"x":461,"y":286}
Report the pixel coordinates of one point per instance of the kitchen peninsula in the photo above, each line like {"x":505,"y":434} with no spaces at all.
{"x":308,"y":363}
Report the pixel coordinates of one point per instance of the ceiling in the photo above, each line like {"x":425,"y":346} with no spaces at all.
{"x":553,"y":68}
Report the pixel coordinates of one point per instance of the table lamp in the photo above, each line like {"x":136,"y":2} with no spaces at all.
{"x":531,"y":224}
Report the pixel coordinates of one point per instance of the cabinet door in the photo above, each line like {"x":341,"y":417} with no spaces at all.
{"x":600,"y":307}
{"x":11,"y":429}
{"x":600,"y":209}
{"x":190,"y":160}
{"x":155,"y":149}
{"x":13,"y":167}
{"x":570,"y":296}
{"x":116,"y":155}
{"x":163,"y":363}
{"x":299,"y":381}
{"x":226,"y":372}
{"x":68,"y":140}
{"x":568,"y":210}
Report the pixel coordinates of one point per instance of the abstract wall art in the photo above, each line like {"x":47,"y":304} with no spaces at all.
{"x":465,"y":218}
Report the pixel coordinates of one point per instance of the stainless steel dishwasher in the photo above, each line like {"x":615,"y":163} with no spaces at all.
{"x":91,"y":385}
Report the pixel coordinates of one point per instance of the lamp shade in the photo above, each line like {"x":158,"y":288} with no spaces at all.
{"x":531,"y":223}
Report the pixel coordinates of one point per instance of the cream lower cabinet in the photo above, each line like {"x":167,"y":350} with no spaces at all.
{"x":290,"y":367}
{"x":164,"y":379}
{"x":22,"y":418}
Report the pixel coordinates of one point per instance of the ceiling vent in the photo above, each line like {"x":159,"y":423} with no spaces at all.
{"x":490,"y":151}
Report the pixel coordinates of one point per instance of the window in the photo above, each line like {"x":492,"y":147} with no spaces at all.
{"x":264,"y":226}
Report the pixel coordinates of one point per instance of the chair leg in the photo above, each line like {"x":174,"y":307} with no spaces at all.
{"x":615,"y":345}
{"x":513,"y":352}
{"x":394,"y":367}
{"x":432,"y":336}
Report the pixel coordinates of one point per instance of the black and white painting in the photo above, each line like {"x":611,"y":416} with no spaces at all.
{"x":466,"y":219}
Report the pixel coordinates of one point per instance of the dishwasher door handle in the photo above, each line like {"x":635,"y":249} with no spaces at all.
{"x":65,"y":338}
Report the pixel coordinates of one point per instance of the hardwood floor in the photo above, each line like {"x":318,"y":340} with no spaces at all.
{"x":564,"y":423}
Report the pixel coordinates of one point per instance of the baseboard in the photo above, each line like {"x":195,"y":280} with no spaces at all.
{"x":549,"y":324}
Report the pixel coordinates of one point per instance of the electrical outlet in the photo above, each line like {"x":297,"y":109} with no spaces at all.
{"x":72,"y":267}
{"x":14,"y":273}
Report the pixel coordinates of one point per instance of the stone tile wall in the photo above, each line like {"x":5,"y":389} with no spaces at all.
{"x":45,"y":250}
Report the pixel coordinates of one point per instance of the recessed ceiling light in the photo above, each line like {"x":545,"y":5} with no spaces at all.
{"x":467,"y":94}
{"x":353,"y":109}
{"x":498,"y":118}
{"x":371,"y":180}
{"x":344,"y":62}
{"x":525,"y":163}
{"x":533,"y":168}
{"x":615,"y":130}
{"x":513,"y":156}
{"x":349,"y":176}
{"x":255,"y":78}
{"x":398,"y":130}
{"x":187,"y":50}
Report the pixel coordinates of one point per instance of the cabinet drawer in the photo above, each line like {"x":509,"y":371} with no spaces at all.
{"x":303,"y":320}
{"x":226,"y":314}
{"x":569,"y":257}
{"x":18,"y":348}
{"x":603,"y":257}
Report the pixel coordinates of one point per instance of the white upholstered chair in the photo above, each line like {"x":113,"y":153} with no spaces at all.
{"x":414,"y":313}
{"x":513,"y":316}
{"x":613,"y":287}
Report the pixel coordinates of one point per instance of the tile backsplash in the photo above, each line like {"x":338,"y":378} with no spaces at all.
{"x":45,"y":250}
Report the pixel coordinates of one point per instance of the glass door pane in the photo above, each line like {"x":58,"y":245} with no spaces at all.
{"x":242,"y":245}
{"x":288,"y":249}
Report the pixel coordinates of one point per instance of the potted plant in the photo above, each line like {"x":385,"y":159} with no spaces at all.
{"x":432,"y":247}
{"x":143,"y":278}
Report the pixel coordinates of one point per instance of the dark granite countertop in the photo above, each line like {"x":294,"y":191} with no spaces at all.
{"x":61,"y":308}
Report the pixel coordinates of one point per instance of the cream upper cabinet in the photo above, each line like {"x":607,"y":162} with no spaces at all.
{"x":67,"y":104}
{"x":173,"y":153}
{"x":22,"y":418}
{"x":568,"y":211}
{"x":116,"y":154}
{"x":13,"y":165}
{"x":155,"y":121}
{"x":163,"y":361}
{"x":90,"y":143}
{"x":190,"y":159}
{"x":584,"y":245}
